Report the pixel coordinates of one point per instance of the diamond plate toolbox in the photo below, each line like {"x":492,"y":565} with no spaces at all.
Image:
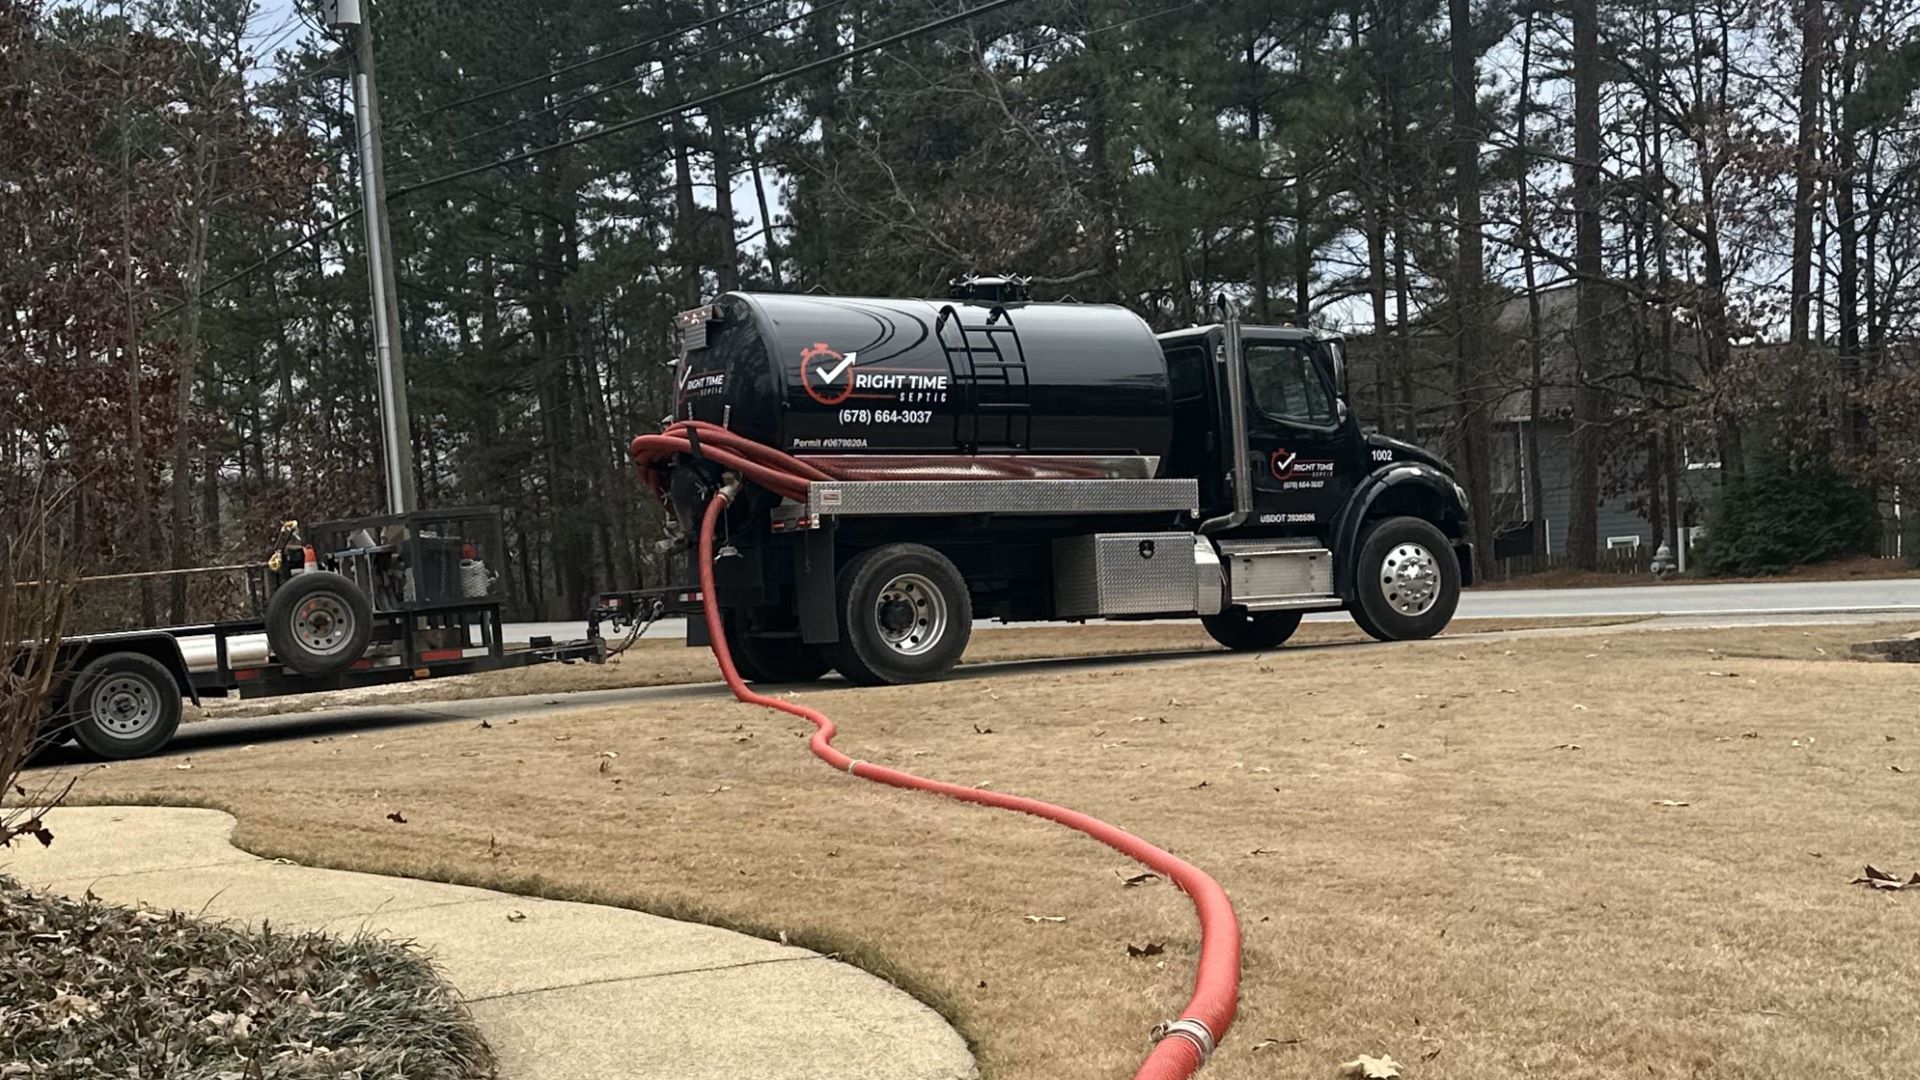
{"x":1134,"y":573}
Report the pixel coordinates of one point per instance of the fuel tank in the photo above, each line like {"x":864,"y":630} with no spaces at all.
{"x":901,"y":386}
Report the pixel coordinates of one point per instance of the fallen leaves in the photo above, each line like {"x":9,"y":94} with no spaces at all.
{"x":1147,"y":877}
{"x":516,"y":916}
{"x":397,"y":818}
{"x":1037,"y":919}
{"x":1568,"y":746}
{"x":1371,"y":1068}
{"x":1151,"y":948}
{"x":67,"y":1009}
{"x":1876,"y":878}
{"x":1670,"y":802}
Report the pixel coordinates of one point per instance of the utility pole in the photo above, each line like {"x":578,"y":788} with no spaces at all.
{"x":396,"y":434}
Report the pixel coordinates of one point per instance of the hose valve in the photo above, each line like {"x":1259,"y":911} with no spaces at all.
{"x":1193,"y":1031}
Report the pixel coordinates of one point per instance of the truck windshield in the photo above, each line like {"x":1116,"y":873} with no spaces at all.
{"x":1287,"y":385}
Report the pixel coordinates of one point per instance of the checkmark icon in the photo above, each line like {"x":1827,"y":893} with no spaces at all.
{"x":828,"y":375}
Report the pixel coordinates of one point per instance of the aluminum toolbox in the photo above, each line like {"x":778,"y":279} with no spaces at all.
{"x":1130,"y":573}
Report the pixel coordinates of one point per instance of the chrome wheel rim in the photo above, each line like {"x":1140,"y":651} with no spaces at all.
{"x":125,"y":706}
{"x":323,"y":624}
{"x":911,"y":614}
{"x":1410,"y":579}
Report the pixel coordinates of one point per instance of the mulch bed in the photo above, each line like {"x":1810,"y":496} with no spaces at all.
{"x":91,"y":990}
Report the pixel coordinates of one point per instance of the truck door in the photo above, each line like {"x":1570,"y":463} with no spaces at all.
{"x":1300,"y":440}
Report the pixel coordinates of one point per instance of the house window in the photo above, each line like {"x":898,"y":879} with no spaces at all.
{"x":1696,"y":458}
{"x":1622,"y":543}
{"x":1287,"y":386}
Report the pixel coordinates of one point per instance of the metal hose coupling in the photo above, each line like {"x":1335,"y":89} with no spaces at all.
{"x":1191,"y":1030}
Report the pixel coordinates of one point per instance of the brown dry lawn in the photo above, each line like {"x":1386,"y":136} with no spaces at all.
{"x":1450,"y":852}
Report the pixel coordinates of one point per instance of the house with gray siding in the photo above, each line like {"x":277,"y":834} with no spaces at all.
{"x":1406,"y":388}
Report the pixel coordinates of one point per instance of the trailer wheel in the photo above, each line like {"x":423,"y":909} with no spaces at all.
{"x":905,"y":616}
{"x":319,"y":623}
{"x":774,"y":659}
{"x":1406,"y":582}
{"x":1248,"y":631}
{"x":122,"y":705}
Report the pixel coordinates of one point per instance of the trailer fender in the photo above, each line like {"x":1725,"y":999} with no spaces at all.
{"x":1405,"y":488}
{"x":161,"y":646}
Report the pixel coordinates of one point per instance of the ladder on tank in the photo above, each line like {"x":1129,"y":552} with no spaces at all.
{"x":990,"y":362}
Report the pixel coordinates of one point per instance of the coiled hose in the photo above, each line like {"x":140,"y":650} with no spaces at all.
{"x":1181,"y":1046}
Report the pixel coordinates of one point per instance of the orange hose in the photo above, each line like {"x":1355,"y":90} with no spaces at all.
{"x":1216,"y":988}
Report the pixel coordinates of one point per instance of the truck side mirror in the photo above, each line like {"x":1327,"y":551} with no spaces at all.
{"x":1338,"y":350}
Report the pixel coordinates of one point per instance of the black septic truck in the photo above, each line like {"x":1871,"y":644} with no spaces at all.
{"x":1000,"y":458}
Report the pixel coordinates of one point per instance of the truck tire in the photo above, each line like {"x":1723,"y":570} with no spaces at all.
{"x":319,"y":623}
{"x":905,"y":616}
{"x":1249,"y":631}
{"x":122,"y":705}
{"x":774,"y":659}
{"x":1406,"y":581}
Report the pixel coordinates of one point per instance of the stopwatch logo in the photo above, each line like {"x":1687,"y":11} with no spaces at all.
{"x":825,"y":374}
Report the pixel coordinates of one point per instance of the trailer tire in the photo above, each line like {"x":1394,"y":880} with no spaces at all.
{"x":319,"y":623}
{"x":1406,"y":581}
{"x":774,"y":659}
{"x":122,"y":705}
{"x":905,"y":616}
{"x":1250,"y":631}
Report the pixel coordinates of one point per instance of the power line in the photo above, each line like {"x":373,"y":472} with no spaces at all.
{"x":651,"y":118}
{"x":702,"y":102}
{"x":625,"y":50}
{"x":620,"y":83}
{"x":261,"y":264}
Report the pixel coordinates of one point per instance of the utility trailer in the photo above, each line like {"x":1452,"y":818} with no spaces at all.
{"x":991,"y":457}
{"x":349,"y":604}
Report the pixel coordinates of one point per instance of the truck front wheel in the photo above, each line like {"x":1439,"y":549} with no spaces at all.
{"x":1406,"y":582}
{"x":122,"y":705}
{"x":1248,"y":631}
{"x":905,"y":616}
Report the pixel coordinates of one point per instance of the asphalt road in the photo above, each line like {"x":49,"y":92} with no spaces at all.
{"x":1749,"y":602}
{"x":1772,"y":598}
{"x":1722,"y":607}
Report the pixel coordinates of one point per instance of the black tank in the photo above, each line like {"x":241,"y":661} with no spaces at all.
{"x":831,"y":375}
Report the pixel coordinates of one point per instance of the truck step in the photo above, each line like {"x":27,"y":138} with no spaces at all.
{"x":1269,"y":575}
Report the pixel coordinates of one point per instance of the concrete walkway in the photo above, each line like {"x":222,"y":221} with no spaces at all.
{"x":560,"y":990}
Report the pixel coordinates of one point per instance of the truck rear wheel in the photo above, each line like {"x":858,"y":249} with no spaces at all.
{"x":1248,"y":631}
{"x":1406,"y":582}
{"x":122,"y":705}
{"x":774,"y":659}
{"x":905,"y":616}
{"x":319,"y":623}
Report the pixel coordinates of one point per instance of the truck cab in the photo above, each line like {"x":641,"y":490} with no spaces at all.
{"x":1289,"y":479}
